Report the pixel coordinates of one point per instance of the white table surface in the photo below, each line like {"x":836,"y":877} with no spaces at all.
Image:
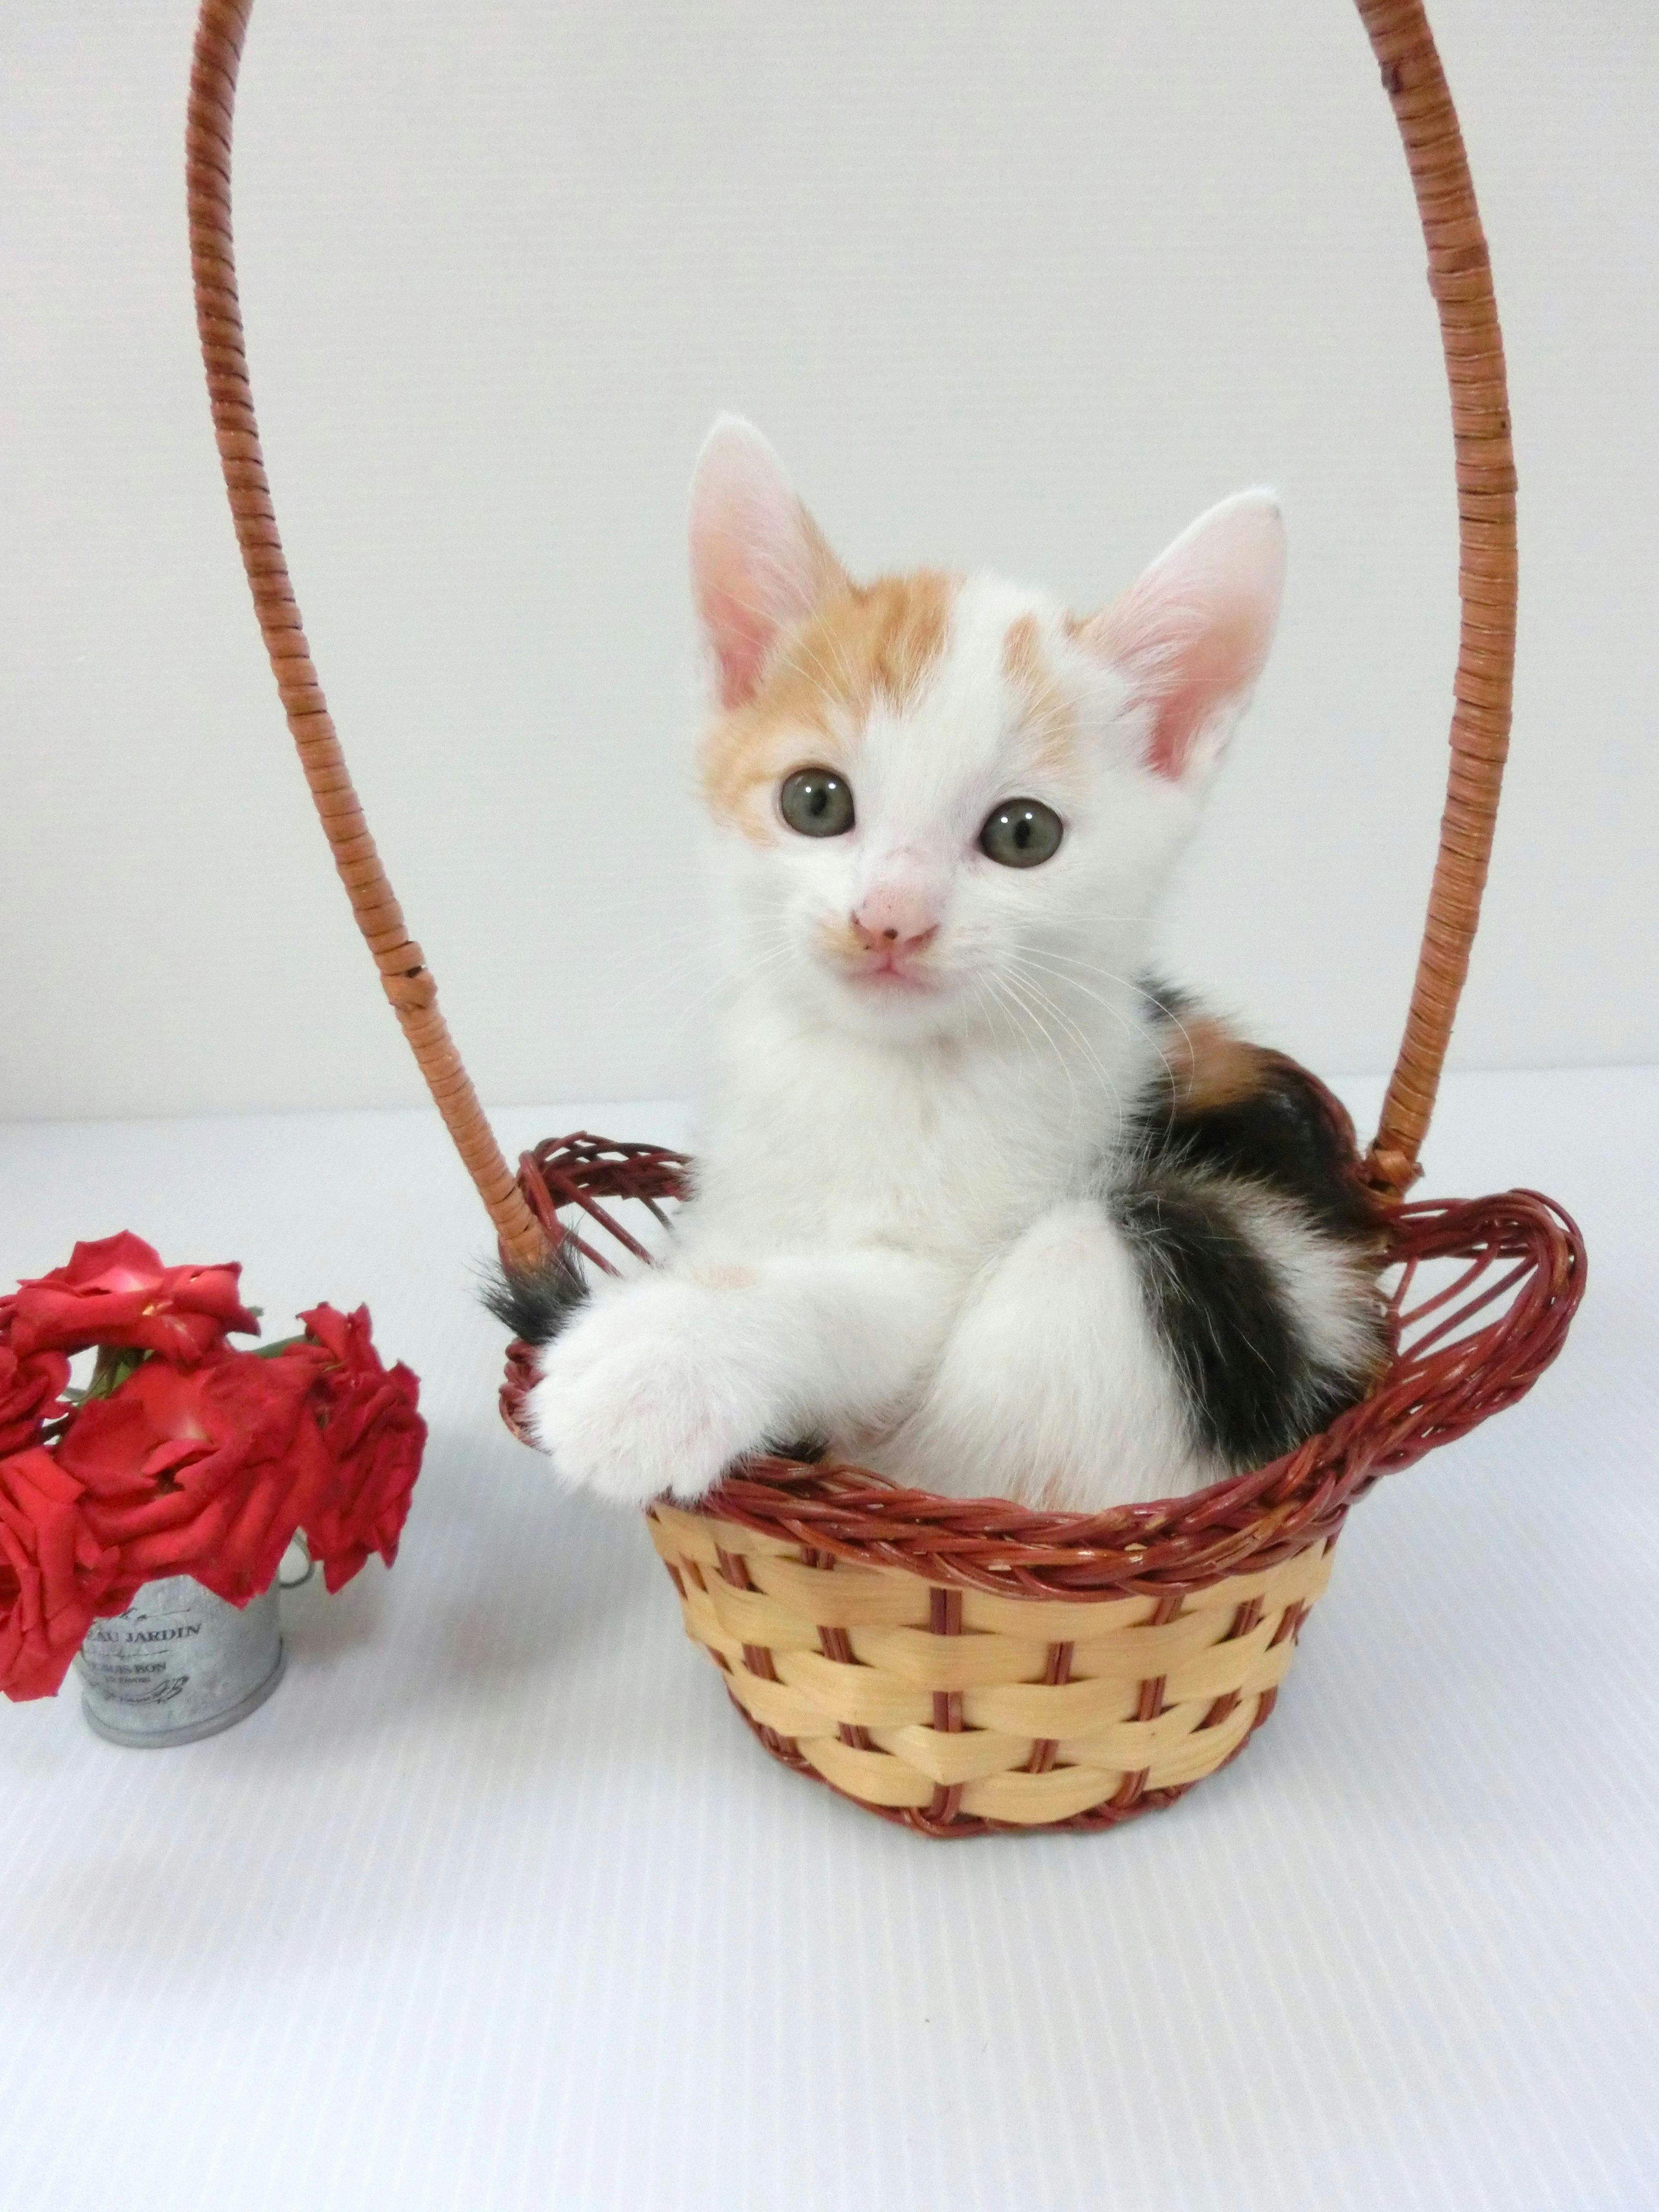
{"x":497,"y":1905}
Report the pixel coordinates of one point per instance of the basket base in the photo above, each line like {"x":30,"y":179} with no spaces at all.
{"x":923,"y":1823}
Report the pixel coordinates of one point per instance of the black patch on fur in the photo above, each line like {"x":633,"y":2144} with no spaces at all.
{"x":1167,"y":999}
{"x":1219,"y":1311}
{"x":809,"y":1451}
{"x":536,"y":1304}
{"x":1279,"y":1135}
{"x":1251,"y":1389}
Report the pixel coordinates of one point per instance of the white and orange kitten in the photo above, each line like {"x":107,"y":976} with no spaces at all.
{"x":975,"y":1205}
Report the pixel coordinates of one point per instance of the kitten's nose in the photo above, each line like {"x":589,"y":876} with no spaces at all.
{"x":893,"y":921}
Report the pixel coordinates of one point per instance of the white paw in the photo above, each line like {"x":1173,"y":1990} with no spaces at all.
{"x":640,"y":1396}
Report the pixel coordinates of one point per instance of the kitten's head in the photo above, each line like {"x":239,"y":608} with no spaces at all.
{"x":928,"y":784}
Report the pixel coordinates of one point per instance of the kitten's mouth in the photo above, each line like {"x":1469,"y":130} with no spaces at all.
{"x":890,"y":975}
{"x":878,"y":971}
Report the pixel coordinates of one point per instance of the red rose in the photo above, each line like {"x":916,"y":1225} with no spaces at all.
{"x":54,"y":1573}
{"x":116,"y":1291}
{"x":30,"y":1389}
{"x":374,"y":1438}
{"x":204,"y":1472}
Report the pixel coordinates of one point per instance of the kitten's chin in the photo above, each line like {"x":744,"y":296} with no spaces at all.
{"x":890,"y":986}
{"x":888,"y":1004}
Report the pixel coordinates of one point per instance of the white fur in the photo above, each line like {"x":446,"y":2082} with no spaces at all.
{"x":1051,"y":1387}
{"x":1328,"y":1287}
{"x":889,"y":1241}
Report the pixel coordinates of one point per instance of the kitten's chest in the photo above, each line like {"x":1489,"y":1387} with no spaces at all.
{"x":810,"y":1142}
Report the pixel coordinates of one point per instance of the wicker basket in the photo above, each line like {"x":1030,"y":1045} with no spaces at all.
{"x":964,"y":1665}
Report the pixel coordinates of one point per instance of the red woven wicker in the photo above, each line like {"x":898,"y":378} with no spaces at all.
{"x":963,"y":1665}
{"x":1459,"y":1353}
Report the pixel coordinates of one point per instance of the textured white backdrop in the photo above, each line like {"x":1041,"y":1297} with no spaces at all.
{"x":1027,"y":286}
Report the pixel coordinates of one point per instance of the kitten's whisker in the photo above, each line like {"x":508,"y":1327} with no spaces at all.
{"x":1131,"y":1028}
{"x":1138,"y":990}
{"x":1009,"y":982}
{"x":986,"y":996}
{"x":1083,"y":1039}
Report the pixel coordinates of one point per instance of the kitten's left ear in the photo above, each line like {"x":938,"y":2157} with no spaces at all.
{"x":759,"y":562}
{"x":1191,"y":636}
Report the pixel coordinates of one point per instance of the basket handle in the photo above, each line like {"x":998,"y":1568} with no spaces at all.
{"x":1459,"y":277}
{"x":406,"y":978}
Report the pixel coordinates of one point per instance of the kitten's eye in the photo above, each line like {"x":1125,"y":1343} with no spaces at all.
{"x":1021,"y":833}
{"x":817,"y":802}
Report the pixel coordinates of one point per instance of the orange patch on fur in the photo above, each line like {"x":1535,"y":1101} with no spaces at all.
{"x":866,"y":643}
{"x":1049,"y":712}
{"x":840,"y":940}
{"x":1209,"y":1065}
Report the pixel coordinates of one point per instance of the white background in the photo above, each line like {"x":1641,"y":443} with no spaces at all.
{"x":1020,"y":285}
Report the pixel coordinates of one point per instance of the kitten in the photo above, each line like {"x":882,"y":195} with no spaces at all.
{"x":973,"y":1205}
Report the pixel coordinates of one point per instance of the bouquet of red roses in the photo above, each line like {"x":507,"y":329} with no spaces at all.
{"x":186,"y":1455}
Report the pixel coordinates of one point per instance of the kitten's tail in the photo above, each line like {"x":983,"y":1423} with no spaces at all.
{"x":538,"y":1304}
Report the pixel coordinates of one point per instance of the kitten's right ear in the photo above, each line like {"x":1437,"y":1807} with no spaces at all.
{"x":759,"y":562}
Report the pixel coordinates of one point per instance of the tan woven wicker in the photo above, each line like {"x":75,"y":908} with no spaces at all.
{"x":1052,"y":1708}
{"x":963,"y":1665}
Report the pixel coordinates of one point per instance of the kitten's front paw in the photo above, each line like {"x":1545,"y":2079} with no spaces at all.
{"x":639,"y":1397}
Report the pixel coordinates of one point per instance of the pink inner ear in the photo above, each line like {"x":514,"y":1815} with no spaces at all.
{"x":742,"y":637}
{"x":1192,"y":681}
{"x":1191,"y":636}
{"x":759,"y":563}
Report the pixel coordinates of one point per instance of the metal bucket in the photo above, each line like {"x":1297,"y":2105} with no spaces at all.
{"x":179,"y":1663}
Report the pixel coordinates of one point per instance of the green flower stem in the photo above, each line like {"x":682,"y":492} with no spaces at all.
{"x":115,"y":1363}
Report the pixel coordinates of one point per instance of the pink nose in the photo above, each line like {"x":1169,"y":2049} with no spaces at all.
{"x":889,"y":921}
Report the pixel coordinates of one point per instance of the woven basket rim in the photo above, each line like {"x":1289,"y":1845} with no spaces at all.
{"x":1435,"y":1387}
